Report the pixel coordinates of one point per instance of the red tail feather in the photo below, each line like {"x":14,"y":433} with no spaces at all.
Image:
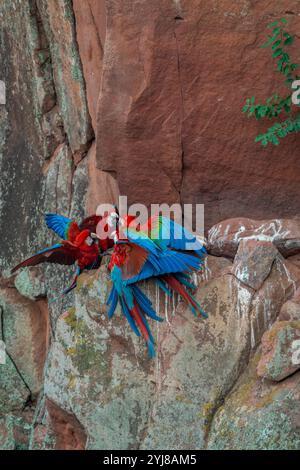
{"x":175,"y":285}
{"x":139,"y":321}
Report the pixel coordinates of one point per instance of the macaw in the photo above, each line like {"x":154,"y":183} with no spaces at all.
{"x":79,"y":244}
{"x":163,"y":256}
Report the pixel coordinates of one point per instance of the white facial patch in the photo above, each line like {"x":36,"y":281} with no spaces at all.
{"x":112,"y":218}
{"x":115,"y":236}
{"x":89,"y":241}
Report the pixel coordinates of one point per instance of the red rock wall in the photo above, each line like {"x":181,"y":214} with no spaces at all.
{"x":166,"y":81}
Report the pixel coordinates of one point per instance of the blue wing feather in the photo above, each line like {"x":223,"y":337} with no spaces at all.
{"x":112,"y":302}
{"x":168,"y":262}
{"x":179,"y":238}
{"x":59,"y":224}
{"x":58,"y":245}
{"x":144,"y":303}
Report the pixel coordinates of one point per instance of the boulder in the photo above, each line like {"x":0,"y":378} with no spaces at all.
{"x":280,"y":351}
{"x":25,"y":331}
{"x":99,"y":372}
{"x":253,"y":262}
{"x":289,"y":311}
{"x":258,"y":414}
{"x":224,"y":238}
{"x":15,"y":430}
{"x":6,"y":434}
{"x":69,"y":434}
{"x":30,"y":283}
{"x":214,"y":266}
{"x":279,"y":286}
{"x":14,"y":391}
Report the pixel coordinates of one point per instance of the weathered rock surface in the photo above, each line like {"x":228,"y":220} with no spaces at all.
{"x":167,"y":129}
{"x":15,"y":431}
{"x":253,"y":262}
{"x":224,"y":238}
{"x":258,"y":414}
{"x":91,"y":30}
{"x":31,"y":283}
{"x":45,"y":130}
{"x":100,"y":373}
{"x":280,"y":351}
{"x":25,"y":331}
{"x":69,"y":434}
{"x":14,"y":392}
{"x":102,"y":187}
{"x":291,"y":309}
{"x":58,"y":22}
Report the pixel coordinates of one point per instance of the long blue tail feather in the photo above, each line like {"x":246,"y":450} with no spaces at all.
{"x":128,"y":316}
{"x":112,"y":302}
{"x":145,"y":304}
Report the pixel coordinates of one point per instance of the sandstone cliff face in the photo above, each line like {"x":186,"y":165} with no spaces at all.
{"x":145,"y":96}
{"x":174,"y":77}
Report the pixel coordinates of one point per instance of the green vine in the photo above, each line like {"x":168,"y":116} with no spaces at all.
{"x":278,"y":40}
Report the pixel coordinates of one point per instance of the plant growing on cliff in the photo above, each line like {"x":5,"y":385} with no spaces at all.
{"x":278,"y":41}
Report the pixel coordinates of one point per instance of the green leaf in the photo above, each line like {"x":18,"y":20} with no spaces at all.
{"x":275,"y":140}
{"x":286,"y":57}
{"x":277,"y":53}
{"x":284,"y":21}
{"x":289,"y":41}
{"x":276,"y":44}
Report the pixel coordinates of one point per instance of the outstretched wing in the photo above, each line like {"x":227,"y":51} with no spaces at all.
{"x":59,"y":254}
{"x":169,"y":234}
{"x":65,"y":228}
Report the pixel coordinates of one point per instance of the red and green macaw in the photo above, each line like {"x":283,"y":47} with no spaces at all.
{"x":157,"y":250}
{"x":79,"y":244}
{"x":160,"y":250}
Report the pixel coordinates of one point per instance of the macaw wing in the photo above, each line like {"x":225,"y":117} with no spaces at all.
{"x":65,"y":228}
{"x":55,"y":254}
{"x":169,"y":261}
{"x":167,"y":233}
{"x":141,"y":239}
